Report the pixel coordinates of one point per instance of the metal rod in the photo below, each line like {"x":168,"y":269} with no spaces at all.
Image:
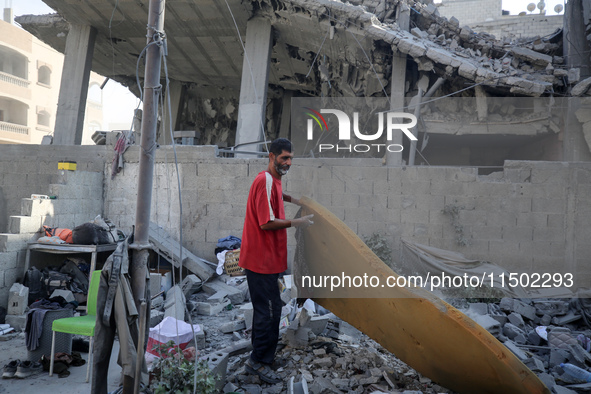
{"x":152,"y":90}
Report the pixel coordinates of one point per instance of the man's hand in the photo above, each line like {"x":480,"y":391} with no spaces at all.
{"x":303,"y":222}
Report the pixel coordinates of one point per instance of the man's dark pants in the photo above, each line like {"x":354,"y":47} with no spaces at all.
{"x":266,"y":303}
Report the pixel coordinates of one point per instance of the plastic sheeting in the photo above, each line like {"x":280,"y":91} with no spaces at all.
{"x":436,"y":261}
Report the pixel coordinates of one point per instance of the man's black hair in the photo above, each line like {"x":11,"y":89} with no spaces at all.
{"x":279,"y":145}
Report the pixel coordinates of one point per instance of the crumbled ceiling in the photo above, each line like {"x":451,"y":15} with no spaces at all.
{"x":347,"y":46}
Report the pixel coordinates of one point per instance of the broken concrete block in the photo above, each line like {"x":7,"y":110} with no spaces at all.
{"x":520,"y":354}
{"x":511,"y":331}
{"x":520,"y":339}
{"x":568,"y":318}
{"x":218,"y":297}
{"x":415,"y":31}
{"x":332,"y":329}
{"x":548,"y":380}
{"x":300,"y":387}
{"x":175,"y":303}
{"x":535,"y":364}
{"x":318,"y":324}
{"x":534,"y":338}
{"x":191,"y":284}
{"x":298,"y":337}
{"x":209,"y":309}
{"x":557,"y":389}
{"x":523,"y":309}
{"x":579,"y":354}
{"x":558,"y":356}
{"x":218,"y":365}
{"x":234,"y":325}
{"x":532,"y":57}
{"x":479,"y":308}
{"x":156,"y":317}
{"x":18,"y":322}
{"x":235,"y":295}
{"x":18,"y":297}
{"x":248,"y":312}
{"x":488,"y":323}
{"x":323,"y":362}
{"x":551,"y":308}
{"x":517,"y":320}
{"x":502,"y":319}
{"x":546,"y":320}
{"x":157,"y":302}
{"x":431,"y":9}
{"x":574,"y":75}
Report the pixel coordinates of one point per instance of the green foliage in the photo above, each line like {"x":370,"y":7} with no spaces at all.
{"x":175,"y":373}
{"x":454,"y":212}
{"x":380,"y":247}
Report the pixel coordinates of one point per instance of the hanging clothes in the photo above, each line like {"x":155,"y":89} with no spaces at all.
{"x":116,"y":314}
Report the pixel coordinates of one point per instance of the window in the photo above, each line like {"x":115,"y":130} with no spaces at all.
{"x":43,"y":118}
{"x":44,"y":75}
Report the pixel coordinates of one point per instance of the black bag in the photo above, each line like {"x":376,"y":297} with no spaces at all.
{"x":55,"y":280}
{"x":34,"y":280}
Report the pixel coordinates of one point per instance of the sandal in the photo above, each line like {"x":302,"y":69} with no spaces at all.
{"x":263,"y":371}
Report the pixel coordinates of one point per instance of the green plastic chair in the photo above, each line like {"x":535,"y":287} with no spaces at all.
{"x":79,"y":325}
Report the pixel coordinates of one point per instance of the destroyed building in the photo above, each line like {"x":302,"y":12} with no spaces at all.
{"x":499,"y":180}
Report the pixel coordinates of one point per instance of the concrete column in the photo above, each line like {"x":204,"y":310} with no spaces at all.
{"x":253,"y":86}
{"x":284,"y":127}
{"x":398,"y":85}
{"x":71,"y":105}
{"x":575,"y":44}
{"x":177,"y":92}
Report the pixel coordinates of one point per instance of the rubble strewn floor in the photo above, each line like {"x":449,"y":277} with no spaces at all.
{"x":331,"y":356}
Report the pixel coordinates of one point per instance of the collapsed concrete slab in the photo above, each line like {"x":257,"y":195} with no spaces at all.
{"x":170,"y":248}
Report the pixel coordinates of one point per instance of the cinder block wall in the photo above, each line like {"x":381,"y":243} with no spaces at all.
{"x":521,"y":26}
{"x":30,"y":169}
{"x":486,"y":16}
{"x":33,"y":169}
{"x":470,"y":11}
{"x":530,"y":217}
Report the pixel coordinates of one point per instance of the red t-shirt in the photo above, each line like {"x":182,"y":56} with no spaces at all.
{"x":264,"y":251}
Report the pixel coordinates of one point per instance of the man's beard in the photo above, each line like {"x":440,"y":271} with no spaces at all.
{"x":281,"y":170}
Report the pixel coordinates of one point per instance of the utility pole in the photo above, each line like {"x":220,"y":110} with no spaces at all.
{"x":152,"y":89}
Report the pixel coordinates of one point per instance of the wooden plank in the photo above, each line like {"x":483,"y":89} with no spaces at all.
{"x":167,"y":246}
{"x":422,"y":330}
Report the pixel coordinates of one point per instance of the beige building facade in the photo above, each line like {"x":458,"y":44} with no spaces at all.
{"x":30,"y":75}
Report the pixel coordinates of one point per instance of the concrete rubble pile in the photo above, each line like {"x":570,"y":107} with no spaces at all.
{"x":530,"y":67}
{"x":542,"y":333}
{"x":320,"y":353}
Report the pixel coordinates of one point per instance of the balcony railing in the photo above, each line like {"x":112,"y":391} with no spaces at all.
{"x":14,"y":128}
{"x":14,"y":80}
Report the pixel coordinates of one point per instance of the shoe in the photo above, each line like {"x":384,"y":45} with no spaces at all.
{"x":28,"y":368}
{"x":10,"y":369}
{"x":264,"y":371}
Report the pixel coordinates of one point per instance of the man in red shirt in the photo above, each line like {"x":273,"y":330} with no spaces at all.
{"x":263,"y":254}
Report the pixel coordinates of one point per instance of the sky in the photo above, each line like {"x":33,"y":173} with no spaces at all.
{"x":118,"y":102}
